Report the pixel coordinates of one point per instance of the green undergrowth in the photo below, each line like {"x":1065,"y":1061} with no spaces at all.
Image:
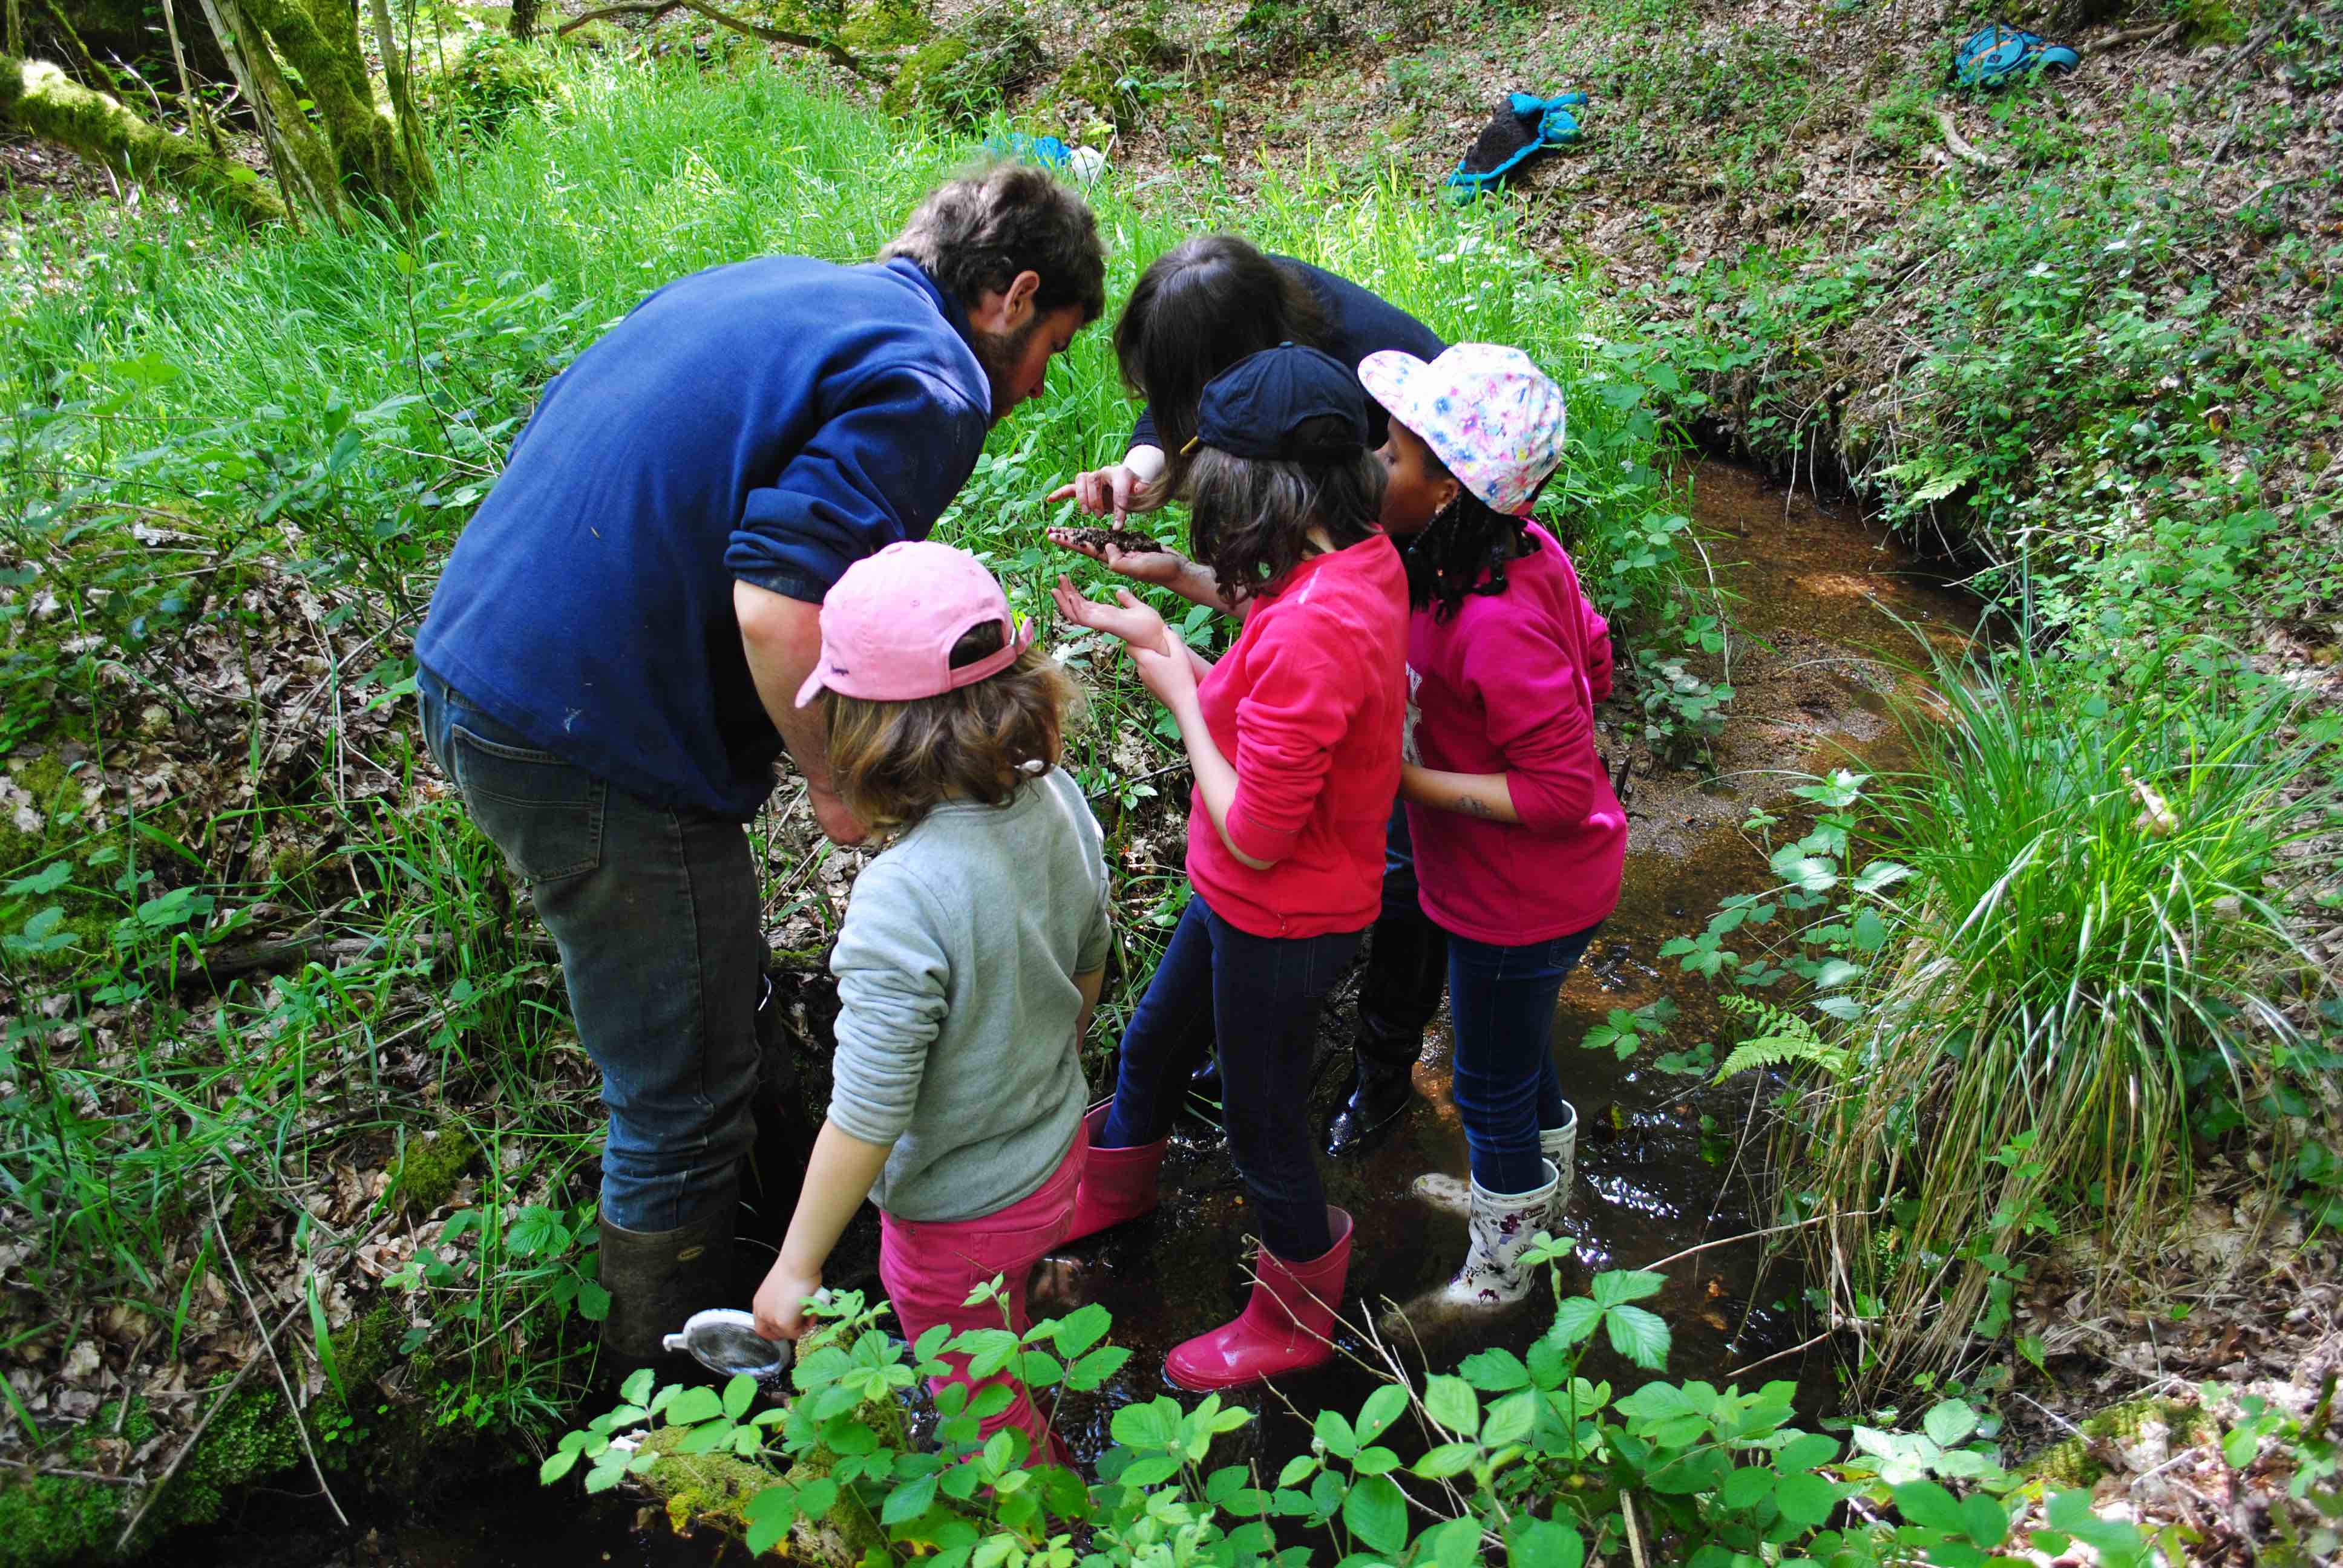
{"x":232,"y":468}
{"x":2140,"y":441}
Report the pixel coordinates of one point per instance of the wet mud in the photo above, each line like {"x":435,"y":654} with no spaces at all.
{"x":1666,"y":1164}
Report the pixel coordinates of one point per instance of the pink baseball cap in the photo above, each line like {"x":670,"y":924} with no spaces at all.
{"x":889,"y":625}
{"x":1489,"y":414}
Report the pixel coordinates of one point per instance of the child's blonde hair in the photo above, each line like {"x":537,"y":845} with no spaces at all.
{"x":893,"y":762}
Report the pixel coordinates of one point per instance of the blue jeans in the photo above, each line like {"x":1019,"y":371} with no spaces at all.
{"x":1502,"y":1000}
{"x":658,"y":918}
{"x":1258,"y":998}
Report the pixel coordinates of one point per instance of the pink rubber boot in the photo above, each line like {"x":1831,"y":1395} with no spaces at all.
{"x":1288,"y":1326}
{"x":1118,"y":1184}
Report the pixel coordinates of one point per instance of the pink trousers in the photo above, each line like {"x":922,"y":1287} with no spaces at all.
{"x":930,"y":1267}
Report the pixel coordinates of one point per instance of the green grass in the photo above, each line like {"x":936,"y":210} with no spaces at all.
{"x":317,"y":417}
{"x":2090,"y":973}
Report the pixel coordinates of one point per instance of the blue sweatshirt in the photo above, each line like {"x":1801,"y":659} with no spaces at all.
{"x":770,"y":422}
{"x":1364,"y":322}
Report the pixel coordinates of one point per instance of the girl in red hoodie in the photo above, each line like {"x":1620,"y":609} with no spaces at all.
{"x":1519,"y":838}
{"x":1294,"y":739}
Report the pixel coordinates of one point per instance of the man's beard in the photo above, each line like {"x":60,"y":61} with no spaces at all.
{"x":1002,"y":355}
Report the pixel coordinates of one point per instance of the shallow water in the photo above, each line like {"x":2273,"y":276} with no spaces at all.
{"x":1660,"y":1166}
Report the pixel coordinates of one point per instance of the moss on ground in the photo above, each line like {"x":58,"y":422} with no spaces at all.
{"x":427,"y":1169}
{"x":1115,"y":75}
{"x":962,"y":75}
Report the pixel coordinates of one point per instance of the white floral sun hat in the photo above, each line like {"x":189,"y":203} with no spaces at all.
{"x":1489,"y":414}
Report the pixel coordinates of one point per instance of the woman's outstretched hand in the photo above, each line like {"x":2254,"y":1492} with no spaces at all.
{"x":1118,"y":491}
{"x":1126,"y":554}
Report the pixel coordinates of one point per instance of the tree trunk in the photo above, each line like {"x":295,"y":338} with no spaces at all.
{"x":523,"y":19}
{"x":380,"y":161}
{"x":40,"y":97}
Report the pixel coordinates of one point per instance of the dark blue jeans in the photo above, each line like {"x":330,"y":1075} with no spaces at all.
{"x":657,"y":914}
{"x":1502,"y":1000}
{"x":1259,"y":997}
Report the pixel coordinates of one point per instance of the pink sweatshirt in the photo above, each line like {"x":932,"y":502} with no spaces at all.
{"x":1508,"y":685}
{"x":1308,"y":708}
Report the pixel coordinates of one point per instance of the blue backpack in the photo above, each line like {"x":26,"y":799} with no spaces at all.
{"x":1996,"y":56}
{"x":1524,"y":125}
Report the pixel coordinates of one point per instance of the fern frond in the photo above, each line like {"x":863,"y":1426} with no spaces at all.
{"x":1782,"y":1038}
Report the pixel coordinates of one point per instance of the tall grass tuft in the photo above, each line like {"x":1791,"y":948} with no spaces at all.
{"x":2094,"y":973}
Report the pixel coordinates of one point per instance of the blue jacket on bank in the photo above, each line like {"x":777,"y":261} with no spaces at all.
{"x":770,"y":422}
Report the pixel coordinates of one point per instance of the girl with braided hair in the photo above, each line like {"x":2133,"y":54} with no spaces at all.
{"x":1519,"y":839}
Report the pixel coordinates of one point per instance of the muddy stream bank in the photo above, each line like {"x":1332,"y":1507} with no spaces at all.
{"x":1662,"y":1162}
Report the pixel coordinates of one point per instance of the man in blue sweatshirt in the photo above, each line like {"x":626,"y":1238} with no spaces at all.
{"x":609,"y":661}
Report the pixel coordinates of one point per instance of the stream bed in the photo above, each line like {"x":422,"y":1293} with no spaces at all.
{"x":1663,"y":1161}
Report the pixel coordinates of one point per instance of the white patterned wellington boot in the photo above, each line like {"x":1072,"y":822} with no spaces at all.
{"x":1558,"y":1145}
{"x":1493,"y":1276}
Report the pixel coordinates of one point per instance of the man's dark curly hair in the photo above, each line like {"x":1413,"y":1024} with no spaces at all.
{"x":975,"y":234}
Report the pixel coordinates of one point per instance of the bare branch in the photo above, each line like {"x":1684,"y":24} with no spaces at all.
{"x":836,"y":54}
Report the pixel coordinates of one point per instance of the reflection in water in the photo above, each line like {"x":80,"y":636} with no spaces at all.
{"x":1659,"y":1168}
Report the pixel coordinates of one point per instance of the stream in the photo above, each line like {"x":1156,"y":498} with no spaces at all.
{"x":1663,"y":1165}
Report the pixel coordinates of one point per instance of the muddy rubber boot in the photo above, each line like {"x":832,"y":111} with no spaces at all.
{"x":1559,"y":1145}
{"x":1381,"y":1092}
{"x":1493,"y":1276}
{"x":659,"y":1278}
{"x":1118,"y":1185}
{"x":1288,"y":1326}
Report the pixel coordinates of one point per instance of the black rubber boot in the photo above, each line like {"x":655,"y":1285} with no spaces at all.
{"x":1381,"y":1092}
{"x":1204,"y":1100}
{"x":658,"y":1278}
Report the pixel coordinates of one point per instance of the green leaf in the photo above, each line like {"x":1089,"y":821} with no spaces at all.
{"x":909,"y":1501}
{"x":1376,"y":1513}
{"x":1079,"y":1331}
{"x":1616,"y":1285}
{"x":1949,"y":1422}
{"x":1297,"y":1469}
{"x":556,"y":1464}
{"x":1984,"y":1519}
{"x":694,"y":1405}
{"x":818,"y":1497}
{"x":1929,"y":1505}
{"x":1145,"y":1426}
{"x":1454,"y":1544}
{"x":1542,"y":1544}
{"x":1573,"y":1321}
{"x":637,"y":1389}
{"x":1745,"y":1488}
{"x":1656,"y":1401}
{"x":1451,"y":1401}
{"x":1383,"y":1407}
{"x":1806,"y":1500}
{"x":1494,"y":1371}
{"x":1333,"y":1429}
{"x":1509,"y":1419}
{"x":738,"y":1395}
{"x":1639,"y":1335}
{"x":1448,"y":1459}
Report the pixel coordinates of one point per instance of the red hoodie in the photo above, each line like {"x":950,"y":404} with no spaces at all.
{"x":1307,"y":707}
{"x":1508,"y":684}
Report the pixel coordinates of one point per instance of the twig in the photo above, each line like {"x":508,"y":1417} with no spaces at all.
{"x":655,"y":9}
{"x":76,"y":1474}
{"x":268,"y":1345}
{"x":1959,"y":144}
{"x":1753,"y":1235}
{"x":2247,"y":50}
{"x":2157,"y":30}
{"x":154,"y":1494}
{"x":1634,"y":1536}
{"x":1777,"y":1355}
{"x":2237,"y":116}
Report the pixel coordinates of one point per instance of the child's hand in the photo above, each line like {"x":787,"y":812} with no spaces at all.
{"x":1127,"y":618}
{"x":780,"y":1301}
{"x":1169,"y":677}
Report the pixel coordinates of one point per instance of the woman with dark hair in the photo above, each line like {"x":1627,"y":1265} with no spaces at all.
{"x":1294,"y":739}
{"x":1199,"y":309}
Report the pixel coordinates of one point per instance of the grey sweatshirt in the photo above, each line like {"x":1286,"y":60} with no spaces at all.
{"x":956,"y":972}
